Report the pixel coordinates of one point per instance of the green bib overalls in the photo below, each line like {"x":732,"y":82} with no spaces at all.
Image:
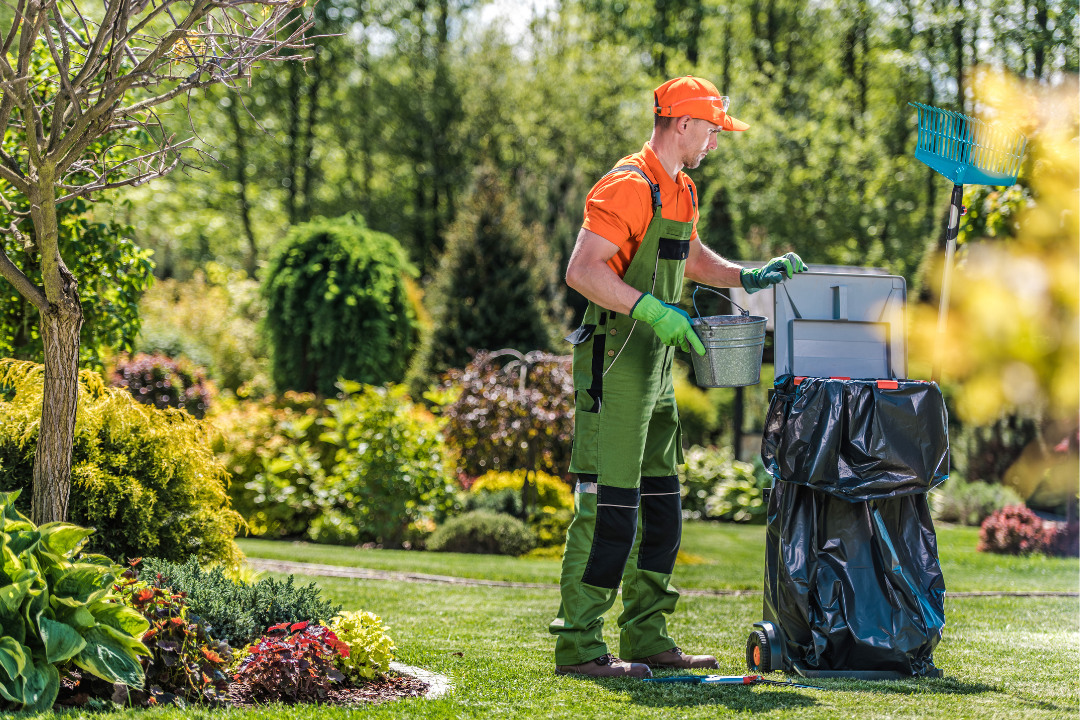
{"x":627,"y":442}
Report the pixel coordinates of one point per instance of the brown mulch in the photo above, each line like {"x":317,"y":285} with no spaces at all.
{"x":77,"y":692}
{"x":388,"y":687}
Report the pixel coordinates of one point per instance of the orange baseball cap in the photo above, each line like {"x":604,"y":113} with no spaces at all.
{"x":697,"y":98}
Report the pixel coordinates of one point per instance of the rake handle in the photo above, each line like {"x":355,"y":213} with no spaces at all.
{"x":951,"y":231}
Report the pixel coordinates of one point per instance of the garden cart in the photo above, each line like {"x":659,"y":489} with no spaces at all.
{"x":853,"y":585}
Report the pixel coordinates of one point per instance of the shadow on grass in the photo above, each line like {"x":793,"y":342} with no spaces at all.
{"x":774,"y":697}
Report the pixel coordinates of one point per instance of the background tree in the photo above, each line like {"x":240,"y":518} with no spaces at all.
{"x":495,"y":286}
{"x":337,"y":306}
{"x":72,"y":78}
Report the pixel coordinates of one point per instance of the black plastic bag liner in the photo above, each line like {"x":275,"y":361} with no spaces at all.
{"x":857,"y":439}
{"x":852,"y":575}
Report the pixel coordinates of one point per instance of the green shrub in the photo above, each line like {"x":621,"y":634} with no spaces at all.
{"x":552,"y":504}
{"x":485,"y":533}
{"x":703,"y":413}
{"x":147,"y":479}
{"x":59,"y":607}
{"x":496,"y":286}
{"x":239,"y":612}
{"x":363,"y":468}
{"x":967,"y":503}
{"x":213,"y":321}
{"x":370,"y":648}
{"x":337,"y":306}
{"x":271,"y":446}
{"x":716,"y":485}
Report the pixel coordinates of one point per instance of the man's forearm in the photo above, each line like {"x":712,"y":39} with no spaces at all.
{"x":602,"y":285}
{"x":708,"y":268}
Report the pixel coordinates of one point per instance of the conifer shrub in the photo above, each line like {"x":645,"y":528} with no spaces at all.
{"x":238,"y":612}
{"x":551,"y":502}
{"x":483,"y":532}
{"x":146,"y":479}
{"x":496,"y":285}
{"x":337,"y":306}
{"x":160,"y":381}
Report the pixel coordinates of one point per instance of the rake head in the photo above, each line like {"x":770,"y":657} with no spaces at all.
{"x":966,"y":150}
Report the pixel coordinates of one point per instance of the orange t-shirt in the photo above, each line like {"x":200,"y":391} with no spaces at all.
{"x":619,"y":207}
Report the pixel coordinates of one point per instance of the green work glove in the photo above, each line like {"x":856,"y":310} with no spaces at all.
{"x":774,"y":271}
{"x":672,"y":324}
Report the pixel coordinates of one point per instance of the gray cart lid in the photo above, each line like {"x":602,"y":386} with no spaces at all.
{"x":841,"y":325}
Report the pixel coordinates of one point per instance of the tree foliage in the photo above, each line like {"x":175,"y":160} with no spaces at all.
{"x":337,"y":306}
{"x":495,"y":286}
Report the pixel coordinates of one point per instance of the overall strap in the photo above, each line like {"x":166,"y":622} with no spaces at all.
{"x":693,"y":199}
{"x":652,"y":186}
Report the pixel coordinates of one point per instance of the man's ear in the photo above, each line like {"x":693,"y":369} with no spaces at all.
{"x":683,"y":123}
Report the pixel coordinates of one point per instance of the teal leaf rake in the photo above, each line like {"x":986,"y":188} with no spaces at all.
{"x":966,"y":151}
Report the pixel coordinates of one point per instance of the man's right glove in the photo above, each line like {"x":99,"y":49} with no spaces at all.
{"x":672,"y":324}
{"x":774,"y":271}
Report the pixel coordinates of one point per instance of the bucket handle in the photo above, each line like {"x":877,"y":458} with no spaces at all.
{"x":693,"y":298}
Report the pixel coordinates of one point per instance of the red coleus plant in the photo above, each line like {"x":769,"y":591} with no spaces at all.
{"x":292,"y":663}
{"x":184,"y":660}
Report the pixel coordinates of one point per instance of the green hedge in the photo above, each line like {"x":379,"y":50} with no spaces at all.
{"x":146,"y":479}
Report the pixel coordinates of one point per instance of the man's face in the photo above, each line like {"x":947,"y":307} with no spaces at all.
{"x":697,"y":140}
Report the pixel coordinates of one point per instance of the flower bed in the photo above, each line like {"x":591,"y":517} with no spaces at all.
{"x":81,"y":631}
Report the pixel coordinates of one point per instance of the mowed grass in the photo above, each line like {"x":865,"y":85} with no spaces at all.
{"x":733,"y":558}
{"x":1003,"y":658}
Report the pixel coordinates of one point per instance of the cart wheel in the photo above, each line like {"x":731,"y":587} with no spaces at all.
{"x":758,"y":653}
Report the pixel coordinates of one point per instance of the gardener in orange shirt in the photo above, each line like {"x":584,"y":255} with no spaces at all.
{"x":638,"y":241}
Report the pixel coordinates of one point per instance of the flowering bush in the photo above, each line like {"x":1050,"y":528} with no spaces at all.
{"x":370,"y":648}
{"x":184,"y":661}
{"x":495,"y":425}
{"x":160,"y":381}
{"x":1014,"y":530}
{"x":293,"y":663}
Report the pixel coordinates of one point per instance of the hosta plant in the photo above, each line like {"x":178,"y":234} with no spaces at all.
{"x":57,"y":607}
{"x":292,"y":663}
{"x":184,"y":660}
{"x":370,"y":648}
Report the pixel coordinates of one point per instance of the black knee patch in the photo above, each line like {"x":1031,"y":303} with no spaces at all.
{"x":613,"y":537}
{"x":661,"y":507}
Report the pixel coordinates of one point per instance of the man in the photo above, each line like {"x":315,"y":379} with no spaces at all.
{"x":637,"y":242}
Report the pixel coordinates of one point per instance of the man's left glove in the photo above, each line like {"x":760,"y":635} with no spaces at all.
{"x":672,"y":324}
{"x":774,"y":271}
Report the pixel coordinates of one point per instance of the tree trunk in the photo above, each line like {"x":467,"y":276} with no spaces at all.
{"x":60,"y":326}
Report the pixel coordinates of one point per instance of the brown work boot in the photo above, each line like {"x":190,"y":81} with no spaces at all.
{"x":606,"y":666}
{"x":676,"y":658}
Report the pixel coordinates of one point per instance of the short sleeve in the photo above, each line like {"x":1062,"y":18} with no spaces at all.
{"x":616,"y":210}
{"x":697,"y":206}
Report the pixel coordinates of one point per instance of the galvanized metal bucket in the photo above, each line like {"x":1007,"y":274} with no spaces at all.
{"x":733,"y":346}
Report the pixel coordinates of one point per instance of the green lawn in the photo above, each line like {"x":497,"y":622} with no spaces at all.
{"x":734,"y":555}
{"x":1004,"y":657}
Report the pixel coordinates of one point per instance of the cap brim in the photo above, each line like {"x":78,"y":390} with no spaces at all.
{"x":730,"y":123}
